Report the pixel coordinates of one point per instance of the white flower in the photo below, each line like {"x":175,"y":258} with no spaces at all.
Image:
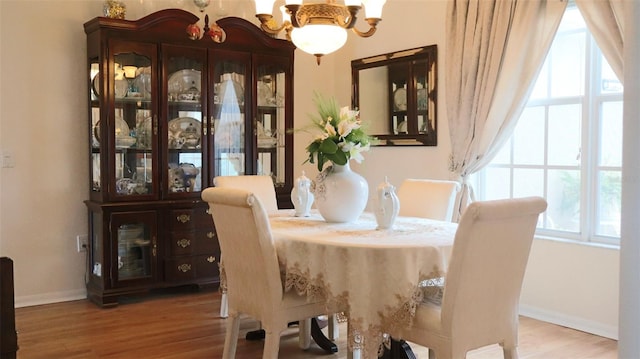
{"x":355,"y":150}
{"x":329,"y":129}
{"x":346,"y":113}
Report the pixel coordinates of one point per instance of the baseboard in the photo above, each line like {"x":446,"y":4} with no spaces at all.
{"x":48,"y":298}
{"x":577,"y":323}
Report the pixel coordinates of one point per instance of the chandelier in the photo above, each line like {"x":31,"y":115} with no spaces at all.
{"x":319,"y":28}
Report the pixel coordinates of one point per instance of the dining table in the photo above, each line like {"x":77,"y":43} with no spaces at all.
{"x":375,"y":277}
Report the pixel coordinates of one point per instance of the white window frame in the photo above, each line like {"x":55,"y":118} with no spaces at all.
{"x":592,"y":103}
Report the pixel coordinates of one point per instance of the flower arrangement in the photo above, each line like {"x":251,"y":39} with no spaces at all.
{"x":341,"y":135}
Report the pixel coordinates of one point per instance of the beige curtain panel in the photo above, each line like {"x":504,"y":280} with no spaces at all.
{"x":605,"y":20}
{"x":495,"y":51}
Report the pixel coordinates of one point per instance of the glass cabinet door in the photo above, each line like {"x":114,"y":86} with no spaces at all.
{"x":133,"y":125}
{"x":231,"y":90}
{"x":94,"y":115}
{"x":185,"y":123}
{"x":270,"y":121}
{"x":421,"y":75}
{"x":398,"y":88}
{"x":135,"y":246}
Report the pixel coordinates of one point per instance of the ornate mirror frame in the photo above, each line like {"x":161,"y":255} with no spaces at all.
{"x":396,"y":94}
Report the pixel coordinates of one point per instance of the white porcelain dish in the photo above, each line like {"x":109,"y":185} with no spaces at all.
{"x":184,"y":132}
{"x":400,"y":99}
{"x":181,"y":81}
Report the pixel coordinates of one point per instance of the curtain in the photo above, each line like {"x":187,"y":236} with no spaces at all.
{"x":495,"y":49}
{"x":604,"y":19}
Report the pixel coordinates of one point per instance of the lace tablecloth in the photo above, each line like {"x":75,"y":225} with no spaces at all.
{"x":374,"y":276}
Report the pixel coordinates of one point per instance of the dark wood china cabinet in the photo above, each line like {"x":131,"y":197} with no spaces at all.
{"x":166,"y":115}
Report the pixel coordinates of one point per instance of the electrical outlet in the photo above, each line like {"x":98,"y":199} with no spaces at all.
{"x":82,"y":242}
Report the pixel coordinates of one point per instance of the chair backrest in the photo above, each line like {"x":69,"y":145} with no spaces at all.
{"x":261,"y":185}
{"x":250,"y":258}
{"x":487,"y":265}
{"x":435,"y":199}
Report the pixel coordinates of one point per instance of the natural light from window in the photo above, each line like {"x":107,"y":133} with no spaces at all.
{"x":567,"y":146}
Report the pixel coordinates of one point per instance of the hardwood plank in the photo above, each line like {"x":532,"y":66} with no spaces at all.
{"x":187,"y":326}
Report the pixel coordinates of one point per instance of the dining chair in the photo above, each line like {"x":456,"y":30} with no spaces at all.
{"x":428,"y":198}
{"x":245,"y":237}
{"x":262,"y":186}
{"x":481,"y":293}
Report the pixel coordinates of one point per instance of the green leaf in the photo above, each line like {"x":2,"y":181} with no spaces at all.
{"x":321,"y":161}
{"x":328,"y":146}
{"x":339,"y":158}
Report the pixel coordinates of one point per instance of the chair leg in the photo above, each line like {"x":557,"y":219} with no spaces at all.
{"x":231,"y":337}
{"x":271,"y":345}
{"x":510,"y":353}
{"x":224,"y":306}
{"x":334,"y":330}
{"x":304,"y":336}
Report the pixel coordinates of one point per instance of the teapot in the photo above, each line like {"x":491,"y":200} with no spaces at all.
{"x":301,"y":196}
{"x":387,"y":205}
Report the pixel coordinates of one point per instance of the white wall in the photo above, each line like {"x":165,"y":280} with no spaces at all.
{"x":43,"y":124}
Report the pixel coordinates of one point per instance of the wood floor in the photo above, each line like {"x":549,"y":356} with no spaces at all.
{"x":187,"y":326}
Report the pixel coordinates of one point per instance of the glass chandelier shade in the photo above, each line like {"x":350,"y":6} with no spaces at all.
{"x":319,"y":28}
{"x":319,"y":39}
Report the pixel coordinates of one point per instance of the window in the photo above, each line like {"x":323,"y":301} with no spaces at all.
{"x":567,"y":145}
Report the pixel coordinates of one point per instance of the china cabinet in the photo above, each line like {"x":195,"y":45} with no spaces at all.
{"x":166,"y":115}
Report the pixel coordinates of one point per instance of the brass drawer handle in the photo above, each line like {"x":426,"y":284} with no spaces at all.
{"x":184,"y":243}
{"x":211,"y":259}
{"x":184,"y":218}
{"x":210,"y":235}
{"x":184,"y":268}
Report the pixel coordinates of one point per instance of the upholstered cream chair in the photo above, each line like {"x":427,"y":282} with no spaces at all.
{"x":262,"y":186}
{"x":479,"y":305}
{"x":435,"y":199}
{"x":250,"y":256}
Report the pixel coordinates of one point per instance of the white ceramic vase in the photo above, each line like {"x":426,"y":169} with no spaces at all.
{"x":340,"y":194}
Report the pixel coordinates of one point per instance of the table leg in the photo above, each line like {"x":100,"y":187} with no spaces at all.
{"x":316,"y":333}
{"x":400,"y":349}
{"x":320,"y":339}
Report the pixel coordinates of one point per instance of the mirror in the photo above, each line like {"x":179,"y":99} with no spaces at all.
{"x":396,"y":94}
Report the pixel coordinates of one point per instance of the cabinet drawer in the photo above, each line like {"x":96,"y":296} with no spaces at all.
{"x":183,"y":243}
{"x":185,"y":269}
{"x":190,"y":219}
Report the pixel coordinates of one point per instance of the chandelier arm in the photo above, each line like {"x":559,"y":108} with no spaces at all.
{"x":266,"y":24}
{"x":353,"y":16}
{"x":293,"y":12}
{"x":373,"y":22}
{"x":348,"y":24}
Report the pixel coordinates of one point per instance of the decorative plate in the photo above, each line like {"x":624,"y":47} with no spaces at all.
{"x":402,"y":127}
{"x":122,"y":129}
{"x":184,"y":132}
{"x":95,"y":85}
{"x":400,"y":99}
{"x":183,"y":80}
